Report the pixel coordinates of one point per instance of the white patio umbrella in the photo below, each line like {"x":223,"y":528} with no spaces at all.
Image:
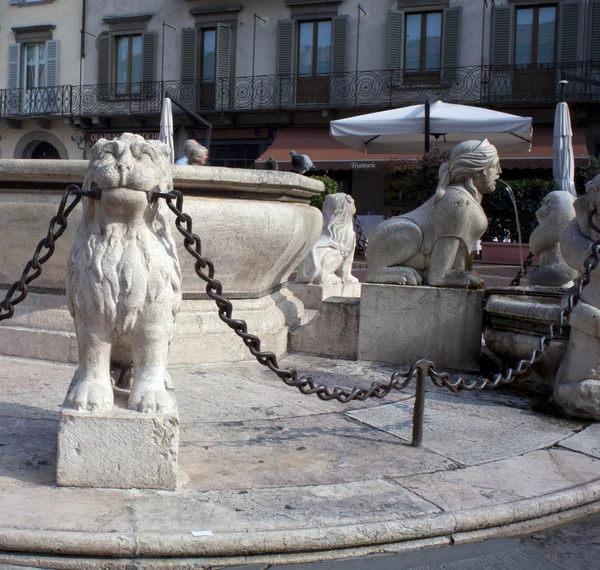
{"x":402,"y":130}
{"x":166,"y":127}
{"x":563,"y":163}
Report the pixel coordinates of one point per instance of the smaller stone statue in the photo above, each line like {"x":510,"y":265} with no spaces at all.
{"x":329,"y":262}
{"x":432,"y":245}
{"x":124,"y":280}
{"x":577,"y":382}
{"x":554,"y":215}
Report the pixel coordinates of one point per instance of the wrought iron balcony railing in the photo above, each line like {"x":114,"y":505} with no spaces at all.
{"x":374,"y":89}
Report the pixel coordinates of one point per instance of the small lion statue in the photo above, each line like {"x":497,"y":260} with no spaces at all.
{"x":329,"y":262}
{"x":432,"y":245}
{"x":124,"y":280}
{"x":577,"y":382}
{"x":554,"y":215}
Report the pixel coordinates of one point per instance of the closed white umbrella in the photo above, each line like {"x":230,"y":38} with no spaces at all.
{"x":563,"y":164}
{"x":402,"y":130}
{"x":166,"y":127}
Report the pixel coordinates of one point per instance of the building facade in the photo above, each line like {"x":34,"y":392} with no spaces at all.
{"x":269,"y":75}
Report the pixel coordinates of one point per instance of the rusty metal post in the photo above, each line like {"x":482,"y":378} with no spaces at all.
{"x":419,"y":408}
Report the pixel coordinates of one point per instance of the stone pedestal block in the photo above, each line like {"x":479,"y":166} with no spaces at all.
{"x":119,"y":449}
{"x":400,"y":324}
{"x":333,"y":331}
{"x":312,"y":296}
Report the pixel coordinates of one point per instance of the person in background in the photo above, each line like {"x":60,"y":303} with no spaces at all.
{"x":189,"y":144}
{"x":197,"y":155}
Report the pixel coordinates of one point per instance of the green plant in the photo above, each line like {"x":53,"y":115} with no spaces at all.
{"x":583,"y":175}
{"x":331,"y":187}
{"x":412,"y":182}
{"x":500,"y":212}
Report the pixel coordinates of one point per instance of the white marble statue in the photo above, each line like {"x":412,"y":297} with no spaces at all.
{"x":577,"y":382}
{"x":432,"y":245}
{"x":124,"y":283}
{"x":329,"y":262}
{"x":554,"y":215}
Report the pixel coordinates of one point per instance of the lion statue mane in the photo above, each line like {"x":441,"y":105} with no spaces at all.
{"x":329,"y":262}
{"x":124,"y":279}
{"x":554,"y":215}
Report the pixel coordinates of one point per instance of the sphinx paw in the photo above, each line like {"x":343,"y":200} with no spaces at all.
{"x":150,"y":400}
{"x":91,"y":396}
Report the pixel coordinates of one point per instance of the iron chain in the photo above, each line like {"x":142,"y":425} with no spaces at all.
{"x":522,"y":270}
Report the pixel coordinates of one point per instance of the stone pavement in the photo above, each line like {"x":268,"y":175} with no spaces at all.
{"x":270,"y":476}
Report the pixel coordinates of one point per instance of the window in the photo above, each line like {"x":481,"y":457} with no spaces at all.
{"x":314,"y":48}
{"x":208,"y":55}
{"x":535,"y":35}
{"x":423,"y":43}
{"x":34,"y":65}
{"x":128,"y":64}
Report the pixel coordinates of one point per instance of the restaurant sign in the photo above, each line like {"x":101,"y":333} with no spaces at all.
{"x":94,"y":136}
{"x":362,"y":165}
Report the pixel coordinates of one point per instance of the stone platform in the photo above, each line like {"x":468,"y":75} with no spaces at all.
{"x":268,"y":475}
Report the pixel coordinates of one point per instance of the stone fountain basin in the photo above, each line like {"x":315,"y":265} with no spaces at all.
{"x":515,"y":319}
{"x":256,"y":227}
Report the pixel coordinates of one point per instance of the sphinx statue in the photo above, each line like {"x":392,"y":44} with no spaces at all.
{"x":577,"y":383}
{"x":432,"y":245}
{"x":554,"y":215}
{"x":329,"y":262}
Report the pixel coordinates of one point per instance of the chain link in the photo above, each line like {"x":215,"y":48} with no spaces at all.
{"x":58,"y":224}
{"x":522,"y":270}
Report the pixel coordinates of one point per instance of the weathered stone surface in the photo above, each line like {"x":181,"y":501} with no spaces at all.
{"x":333,"y":331}
{"x":468,"y":432}
{"x":577,"y":384}
{"x":120,"y":448}
{"x":432,"y":245}
{"x":586,"y":441}
{"x":312,"y":296}
{"x":554,"y":215}
{"x":329,"y":262}
{"x":530,"y":475}
{"x":402,"y":324}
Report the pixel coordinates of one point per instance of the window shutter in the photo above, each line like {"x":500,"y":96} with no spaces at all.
{"x":189,"y":54}
{"x":339,"y":25}
{"x":502,"y":35}
{"x":286,"y":36}
{"x":395,"y":41}
{"x":103,"y":46}
{"x":450,"y":45}
{"x":52,"y":63}
{"x":594,"y":48}
{"x":148,"y":57}
{"x":568,"y":33}
{"x":14,"y":66}
{"x":222,"y":65}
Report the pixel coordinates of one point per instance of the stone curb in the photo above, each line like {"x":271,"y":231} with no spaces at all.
{"x":170,"y":545}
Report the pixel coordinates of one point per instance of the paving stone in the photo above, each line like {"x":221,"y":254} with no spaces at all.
{"x":471,"y":433}
{"x":586,"y":441}
{"x":284,"y":508}
{"x":530,"y":475}
{"x":323,"y":449}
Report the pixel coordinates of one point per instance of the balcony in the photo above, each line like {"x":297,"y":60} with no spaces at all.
{"x":477,"y":85}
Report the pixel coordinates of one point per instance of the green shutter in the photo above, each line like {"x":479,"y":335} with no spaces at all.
{"x":149,"y":40}
{"x":395,"y":40}
{"x":594,"y":47}
{"x":189,"y":54}
{"x":568,"y":31}
{"x":339,"y":41}
{"x":52,"y":63}
{"x":222,"y":66}
{"x":286,"y":36}
{"x":14,"y":66}
{"x":450,"y":45}
{"x":502,"y":35}
{"x":103,"y":45}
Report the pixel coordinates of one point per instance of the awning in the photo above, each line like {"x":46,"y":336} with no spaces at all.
{"x":328,"y":154}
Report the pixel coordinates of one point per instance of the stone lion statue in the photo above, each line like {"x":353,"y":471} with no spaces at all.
{"x":124,"y":280}
{"x":554,"y":215}
{"x":577,"y":382}
{"x":329,"y":262}
{"x":432,"y":245}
